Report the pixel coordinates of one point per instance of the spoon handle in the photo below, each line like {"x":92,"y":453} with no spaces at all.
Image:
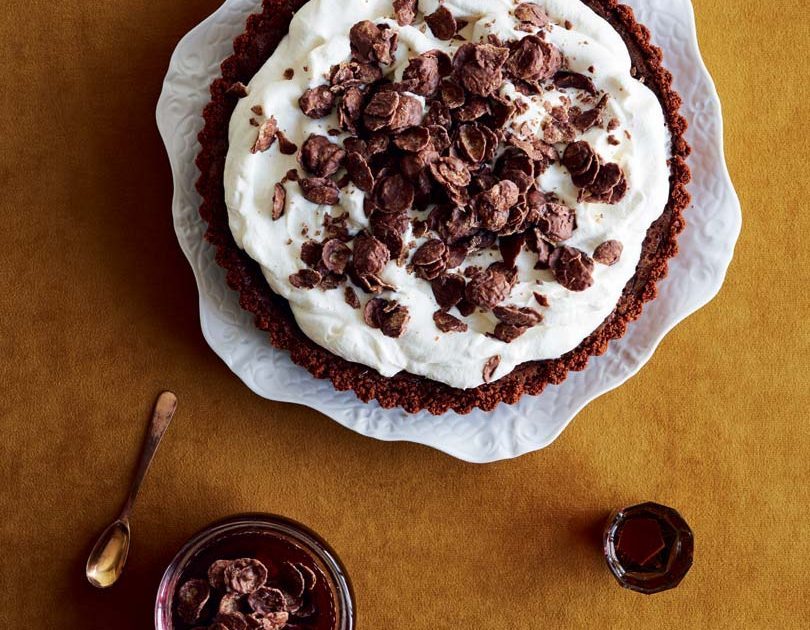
{"x":162,"y":416}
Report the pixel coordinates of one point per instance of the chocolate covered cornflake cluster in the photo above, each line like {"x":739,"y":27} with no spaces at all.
{"x":238,"y":595}
{"x":463,"y":157}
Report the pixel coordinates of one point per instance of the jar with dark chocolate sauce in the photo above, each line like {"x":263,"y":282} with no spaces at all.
{"x":649,"y":547}
{"x":275,"y":546}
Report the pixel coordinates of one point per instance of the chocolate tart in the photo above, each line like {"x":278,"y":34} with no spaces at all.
{"x":413,"y":393}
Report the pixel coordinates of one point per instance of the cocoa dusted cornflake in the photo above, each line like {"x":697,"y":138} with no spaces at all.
{"x":216,"y":573}
{"x":192,"y":597}
{"x":475,"y":108}
{"x":492,"y":206}
{"x":350,"y":109}
{"x":266,"y":600}
{"x":266,"y":137}
{"x":350,"y":296}
{"x":279,"y":201}
{"x":452,"y":94}
{"x":609,"y":186}
{"x":311,"y":253}
{"x":557,"y":222}
{"x":448,"y":289}
{"x":450,"y":173}
{"x":531,"y":13}
{"x":237,"y":89}
{"x":310,"y":578}
{"x":438,"y":114}
{"x":285,"y":145}
{"x":608,"y":253}
{"x":320,"y":156}
{"x":422,"y":75}
{"x":381,"y":109}
{"x":488,"y":289}
{"x":541,"y":299}
{"x":518,"y":316}
{"x":472,"y":143}
{"x":490,"y":367}
{"x":390,"y":317}
{"x":271,"y":621}
{"x":395,"y":320}
{"x":335,"y":226}
{"x":393,"y":194}
{"x":479,"y":67}
{"x":442,"y":23}
{"x":413,"y":140}
{"x":370,"y":255}
{"x":430,"y":260}
{"x":229,"y":603}
{"x":565,"y":79}
{"x":447,"y":323}
{"x":533,"y":59}
{"x":245,"y":575}
{"x":507,"y":332}
{"x":582,"y":162}
{"x":359,"y":172}
{"x":572,"y":268}
{"x":317,"y":102}
{"x":405,"y":11}
{"x":305,"y":279}
{"x":320,"y":190}
{"x":372,"y":43}
{"x":353,"y":74}
{"x":336,"y":255}
{"x":232,"y":620}
{"x":541,"y":247}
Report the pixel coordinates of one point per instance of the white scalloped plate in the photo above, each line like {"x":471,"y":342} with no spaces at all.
{"x":695,"y":277}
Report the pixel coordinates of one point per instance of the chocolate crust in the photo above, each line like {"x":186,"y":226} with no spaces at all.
{"x":414,"y":393}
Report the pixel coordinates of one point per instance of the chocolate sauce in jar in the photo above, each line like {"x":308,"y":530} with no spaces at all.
{"x":649,"y":547}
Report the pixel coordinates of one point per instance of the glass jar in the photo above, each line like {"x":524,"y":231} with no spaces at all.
{"x":258,"y":536}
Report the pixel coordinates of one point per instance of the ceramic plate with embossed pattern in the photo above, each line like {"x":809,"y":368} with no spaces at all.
{"x":695,"y":276}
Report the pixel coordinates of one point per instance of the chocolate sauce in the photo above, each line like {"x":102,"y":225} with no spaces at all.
{"x":649,"y":547}
{"x":273,"y":550}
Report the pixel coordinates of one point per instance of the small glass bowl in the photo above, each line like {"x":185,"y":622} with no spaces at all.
{"x":257,"y":523}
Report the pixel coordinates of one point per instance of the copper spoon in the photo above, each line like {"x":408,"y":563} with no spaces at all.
{"x":109,"y":555}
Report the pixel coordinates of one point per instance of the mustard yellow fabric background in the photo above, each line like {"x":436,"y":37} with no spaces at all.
{"x":99,"y":312}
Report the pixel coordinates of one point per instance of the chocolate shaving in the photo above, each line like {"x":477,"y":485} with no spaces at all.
{"x":447,"y":323}
{"x":266,"y":137}
{"x":279,"y":200}
{"x":574,"y":80}
{"x":442,"y":23}
{"x":490,"y":367}
{"x":285,"y":145}
{"x":350,"y":295}
{"x":541,"y":299}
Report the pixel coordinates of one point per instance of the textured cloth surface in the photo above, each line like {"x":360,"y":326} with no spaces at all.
{"x":99,"y":312}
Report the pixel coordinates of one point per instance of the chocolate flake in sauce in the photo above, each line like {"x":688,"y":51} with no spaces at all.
{"x":192,"y":597}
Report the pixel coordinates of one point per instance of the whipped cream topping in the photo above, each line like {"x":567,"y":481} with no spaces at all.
{"x":319,"y":39}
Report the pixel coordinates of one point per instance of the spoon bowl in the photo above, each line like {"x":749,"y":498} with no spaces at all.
{"x":109,"y":555}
